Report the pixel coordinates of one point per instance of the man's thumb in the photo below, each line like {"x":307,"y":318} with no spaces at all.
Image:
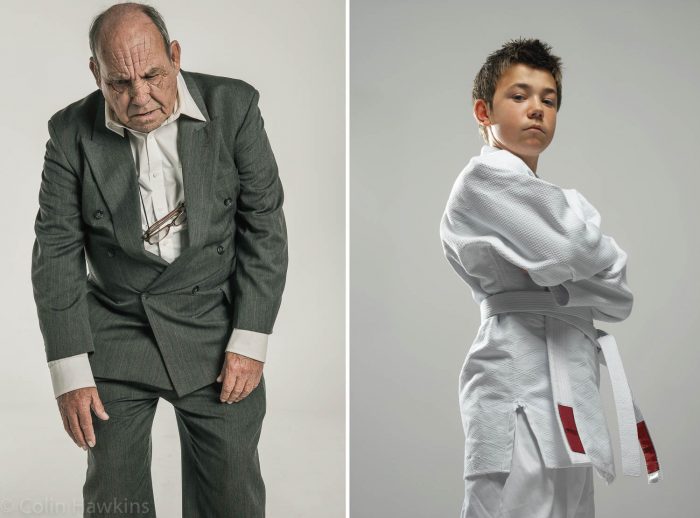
{"x":98,"y":408}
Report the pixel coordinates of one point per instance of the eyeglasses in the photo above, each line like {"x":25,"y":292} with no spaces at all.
{"x":157,"y":232}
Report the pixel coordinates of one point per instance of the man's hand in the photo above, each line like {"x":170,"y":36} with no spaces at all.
{"x":75,"y":411}
{"x":239,"y":376}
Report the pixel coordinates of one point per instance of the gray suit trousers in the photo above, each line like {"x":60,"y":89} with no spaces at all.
{"x":220,"y":468}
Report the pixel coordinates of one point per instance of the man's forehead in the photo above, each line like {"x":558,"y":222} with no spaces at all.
{"x":122,"y":42}
{"x":121,"y":58}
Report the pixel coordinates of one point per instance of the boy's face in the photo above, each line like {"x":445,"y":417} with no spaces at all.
{"x":524,"y":113}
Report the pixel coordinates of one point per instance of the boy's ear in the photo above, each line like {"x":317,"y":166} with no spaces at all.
{"x":481,"y":112}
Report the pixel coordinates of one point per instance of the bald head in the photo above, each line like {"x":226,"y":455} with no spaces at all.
{"x":134,"y":65}
{"x":125,"y":14}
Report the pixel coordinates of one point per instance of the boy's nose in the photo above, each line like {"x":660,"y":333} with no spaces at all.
{"x":536,"y":112}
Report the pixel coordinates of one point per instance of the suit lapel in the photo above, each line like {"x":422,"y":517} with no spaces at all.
{"x":196,"y":150}
{"x":112,"y":165}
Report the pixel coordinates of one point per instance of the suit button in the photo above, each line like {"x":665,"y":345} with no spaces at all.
{"x":110,"y":252}
{"x":228,"y":201}
{"x":195,"y":290}
{"x":98,"y":214}
{"x":220,"y":250}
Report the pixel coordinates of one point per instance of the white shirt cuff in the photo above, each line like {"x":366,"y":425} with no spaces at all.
{"x":71,"y":373}
{"x":248,"y":343}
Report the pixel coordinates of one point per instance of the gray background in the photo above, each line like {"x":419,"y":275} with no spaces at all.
{"x":626,"y":138}
{"x":294,"y":54}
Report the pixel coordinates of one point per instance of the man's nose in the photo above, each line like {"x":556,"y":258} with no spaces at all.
{"x":140,"y":93}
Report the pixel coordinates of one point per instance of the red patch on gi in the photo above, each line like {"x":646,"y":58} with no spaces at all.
{"x":647,"y":447}
{"x":566,"y":414}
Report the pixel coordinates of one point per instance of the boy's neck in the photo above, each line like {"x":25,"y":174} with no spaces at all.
{"x":530,"y":161}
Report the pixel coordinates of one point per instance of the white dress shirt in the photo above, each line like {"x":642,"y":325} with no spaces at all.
{"x":161,"y":189}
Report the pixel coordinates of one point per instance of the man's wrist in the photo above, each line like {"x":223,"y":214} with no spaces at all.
{"x":70,"y":373}
{"x":248,"y":343}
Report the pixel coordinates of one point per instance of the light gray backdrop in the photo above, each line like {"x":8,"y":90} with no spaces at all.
{"x":626,"y":138}
{"x":294,"y":54}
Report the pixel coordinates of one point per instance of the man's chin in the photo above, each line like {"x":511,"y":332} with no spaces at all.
{"x":145,"y":124}
{"x":143,"y":127}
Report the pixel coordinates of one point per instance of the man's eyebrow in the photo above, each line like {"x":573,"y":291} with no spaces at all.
{"x":117,"y":75}
{"x":527,"y":87}
{"x":151,"y":71}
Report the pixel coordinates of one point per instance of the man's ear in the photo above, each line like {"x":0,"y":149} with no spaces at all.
{"x":481,"y":112}
{"x":95,"y":69}
{"x":175,"y":54}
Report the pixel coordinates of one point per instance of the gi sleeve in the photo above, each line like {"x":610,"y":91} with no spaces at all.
{"x":527,"y":221}
{"x":58,"y":258}
{"x":607,"y":292}
{"x":261,"y":234}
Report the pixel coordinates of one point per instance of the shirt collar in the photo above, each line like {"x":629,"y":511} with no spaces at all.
{"x":184,"y":105}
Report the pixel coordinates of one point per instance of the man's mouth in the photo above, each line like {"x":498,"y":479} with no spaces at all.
{"x":141,"y":115}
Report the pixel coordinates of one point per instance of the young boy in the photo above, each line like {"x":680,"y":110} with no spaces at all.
{"x":542,"y":271}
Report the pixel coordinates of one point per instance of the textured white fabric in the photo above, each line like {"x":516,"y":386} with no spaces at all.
{"x":161,"y":188}
{"x":504,"y":229}
{"x":530,"y":490}
{"x":560,"y":322}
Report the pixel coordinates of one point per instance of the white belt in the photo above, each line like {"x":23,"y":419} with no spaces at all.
{"x":633,"y":430}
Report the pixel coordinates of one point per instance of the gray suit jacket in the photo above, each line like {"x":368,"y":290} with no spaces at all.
{"x":140,"y":318}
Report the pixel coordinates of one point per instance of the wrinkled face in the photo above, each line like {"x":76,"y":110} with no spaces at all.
{"x":136,"y":76}
{"x":524,"y":113}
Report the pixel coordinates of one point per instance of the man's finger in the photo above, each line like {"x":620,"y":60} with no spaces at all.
{"x":237,"y":389}
{"x":77,"y":431}
{"x":98,"y":408}
{"x":66,"y":427}
{"x":86,"y":426}
{"x":229,"y":383}
{"x":249,"y":387}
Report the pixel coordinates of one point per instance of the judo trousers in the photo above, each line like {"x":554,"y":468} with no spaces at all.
{"x":218,"y":445}
{"x":530,"y":490}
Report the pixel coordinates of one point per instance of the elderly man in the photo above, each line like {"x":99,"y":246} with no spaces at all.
{"x":165,"y":182}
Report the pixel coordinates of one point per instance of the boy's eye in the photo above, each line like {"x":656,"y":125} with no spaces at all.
{"x":549,"y":102}
{"x":519,"y":97}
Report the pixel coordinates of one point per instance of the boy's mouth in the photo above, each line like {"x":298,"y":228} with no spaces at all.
{"x":535,"y":127}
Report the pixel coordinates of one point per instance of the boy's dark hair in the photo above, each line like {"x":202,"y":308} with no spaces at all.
{"x":527,"y":51}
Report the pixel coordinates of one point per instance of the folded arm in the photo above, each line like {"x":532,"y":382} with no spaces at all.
{"x":527,"y":221}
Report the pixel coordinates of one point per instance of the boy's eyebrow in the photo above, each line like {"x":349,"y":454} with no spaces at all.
{"x":527,"y":87}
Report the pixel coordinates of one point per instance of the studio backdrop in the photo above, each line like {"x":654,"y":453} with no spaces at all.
{"x":293,"y":53}
{"x":625,"y":138}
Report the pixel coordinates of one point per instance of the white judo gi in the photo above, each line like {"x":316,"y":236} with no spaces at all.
{"x":542,"y":271}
